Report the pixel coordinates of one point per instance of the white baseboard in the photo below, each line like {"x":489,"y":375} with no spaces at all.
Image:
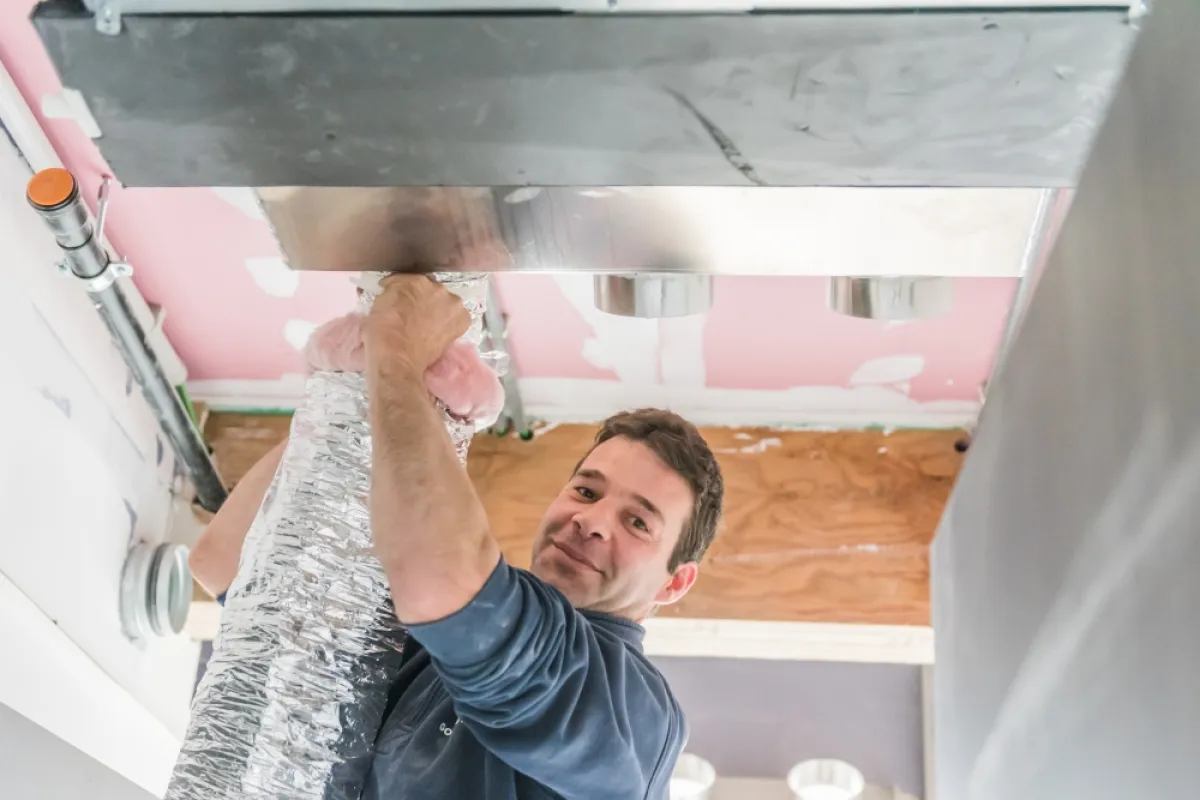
{"x":567,"y":400}
{"x":732,"y":638}
{"x":283,"y":394}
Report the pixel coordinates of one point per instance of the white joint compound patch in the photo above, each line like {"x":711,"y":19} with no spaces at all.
{"x":761,"y":446}
{"x":244,"y":200}
{"x":70,"y":104}
{"x":681,"y":350}
{"x":298,"y":331}
{"x":273,"y":276}
{"x":888,"y":370}
{"x":626,"y":345}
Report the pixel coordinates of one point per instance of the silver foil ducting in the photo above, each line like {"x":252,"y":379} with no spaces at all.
{"x":309,"y":643}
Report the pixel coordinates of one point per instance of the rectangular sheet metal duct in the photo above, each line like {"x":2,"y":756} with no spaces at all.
{"x":1065,"y":596}
{"x":900,"y":98}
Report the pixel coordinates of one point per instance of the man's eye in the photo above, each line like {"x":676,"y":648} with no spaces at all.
{"x":640,"y":524}
{"x":585,"y":493}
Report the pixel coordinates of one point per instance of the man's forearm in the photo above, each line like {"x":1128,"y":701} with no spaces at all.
{"x":429,"y":527}
{"x":214,"y":559}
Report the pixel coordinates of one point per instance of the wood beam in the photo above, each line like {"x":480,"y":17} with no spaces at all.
{"x":822,"y":529}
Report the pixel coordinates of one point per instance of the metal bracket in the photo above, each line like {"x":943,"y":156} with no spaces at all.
{"x":114,"y":270}
{"x":102,"y":199}
{"x":512,"y":416}
{"x":108,"y":19}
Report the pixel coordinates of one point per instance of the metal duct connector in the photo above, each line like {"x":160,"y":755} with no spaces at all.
{"x":653,"y":295}
{"x":54,"y":195}
{"x":895,"y":298}
{"x":156,"y":591}
{"x":309,"y":643}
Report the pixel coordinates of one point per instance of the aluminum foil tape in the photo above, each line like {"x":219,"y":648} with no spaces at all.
{"x":309,"y":644}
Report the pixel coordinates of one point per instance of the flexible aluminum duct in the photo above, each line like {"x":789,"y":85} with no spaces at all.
{"x":309,"y":642}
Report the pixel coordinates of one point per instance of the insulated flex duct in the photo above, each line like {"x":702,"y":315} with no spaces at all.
{"x":309,"y":642}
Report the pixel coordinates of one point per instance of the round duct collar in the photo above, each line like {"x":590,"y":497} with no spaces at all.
{"x":652,"y":296}
{"x":895,"y":298}
{"x":156,"y":591}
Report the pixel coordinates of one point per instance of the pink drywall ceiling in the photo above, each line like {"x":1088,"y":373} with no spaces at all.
{"x":190,"y":249}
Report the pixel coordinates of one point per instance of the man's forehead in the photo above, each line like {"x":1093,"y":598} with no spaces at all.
{"x":632,"y":466}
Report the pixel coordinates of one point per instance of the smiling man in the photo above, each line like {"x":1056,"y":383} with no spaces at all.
{"x":521,"y":684}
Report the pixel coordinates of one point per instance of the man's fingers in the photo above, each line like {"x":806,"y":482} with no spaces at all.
{"x":404,"y":277}
{"x":456,"y":314}
{"x":426,"y":295}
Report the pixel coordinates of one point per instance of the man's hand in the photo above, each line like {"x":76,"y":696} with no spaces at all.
{"x":412,"y":323}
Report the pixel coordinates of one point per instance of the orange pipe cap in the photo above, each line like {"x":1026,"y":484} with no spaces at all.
{"x":50,"y":187}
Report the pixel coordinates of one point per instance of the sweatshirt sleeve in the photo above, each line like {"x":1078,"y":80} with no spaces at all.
{"x":575,"y":708}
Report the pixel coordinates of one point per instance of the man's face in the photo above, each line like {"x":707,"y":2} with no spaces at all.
{"x":607,"y":539}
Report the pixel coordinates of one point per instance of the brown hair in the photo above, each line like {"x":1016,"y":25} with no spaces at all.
{"x":681,"y":447}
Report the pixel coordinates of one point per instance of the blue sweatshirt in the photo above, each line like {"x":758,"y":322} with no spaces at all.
{"x":519,"y":695}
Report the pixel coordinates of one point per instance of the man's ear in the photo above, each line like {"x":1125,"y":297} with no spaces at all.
{"x":682,"y":580}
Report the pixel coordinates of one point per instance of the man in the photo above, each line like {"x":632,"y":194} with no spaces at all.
{"x":518,"y":684}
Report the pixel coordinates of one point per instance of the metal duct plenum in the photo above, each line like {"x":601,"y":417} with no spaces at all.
{"x":966,"y":96}
{"x":309,"y":643}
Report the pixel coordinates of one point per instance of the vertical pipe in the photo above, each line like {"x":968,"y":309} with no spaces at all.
{"x":161,"y":395}
{"x":54,"y":195}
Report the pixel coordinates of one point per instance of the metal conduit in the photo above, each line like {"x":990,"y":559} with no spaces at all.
{"x":54,"y":195}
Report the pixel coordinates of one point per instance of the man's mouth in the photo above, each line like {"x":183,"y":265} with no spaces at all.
{"x":576,"y":556}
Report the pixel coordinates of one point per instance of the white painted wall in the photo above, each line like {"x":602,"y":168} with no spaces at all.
{"x":35,"y":765}
{"x":84,"y":473}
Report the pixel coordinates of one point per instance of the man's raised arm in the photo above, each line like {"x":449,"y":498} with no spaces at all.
{"x":214,"y":559}
{"x":429,"y":528}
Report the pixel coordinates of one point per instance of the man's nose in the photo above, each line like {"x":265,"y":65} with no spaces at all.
{"x":594,"y":522}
